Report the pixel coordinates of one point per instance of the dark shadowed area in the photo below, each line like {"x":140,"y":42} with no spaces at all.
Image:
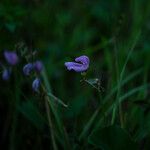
{"x":45,"y":106}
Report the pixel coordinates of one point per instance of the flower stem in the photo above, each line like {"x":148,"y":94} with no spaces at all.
{"x":50,"y":122}
{"x":113,"y":115}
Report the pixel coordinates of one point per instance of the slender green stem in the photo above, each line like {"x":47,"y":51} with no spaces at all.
{"x":48,"y":112}
{"x":50,"y":122}
{"x":121,"y":115}
{"x":54,"y":111}
{"x":15,"y":116}
{"x":118,"y":85}
{"x":113,"y":115}
{"x":57,"y":100}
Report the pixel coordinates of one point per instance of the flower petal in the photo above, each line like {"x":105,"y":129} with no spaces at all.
{"x":36,"y":84}
{"x":38,"y":66}
{"x":6,"y":74}
{"x":75,"y":66}
{"x":83,"y":59}
{"x":81,"y":64}
{"x":27,"y":69}
{"x":11,"y":57}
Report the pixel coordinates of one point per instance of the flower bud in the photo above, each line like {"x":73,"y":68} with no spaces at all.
{"x":11,"y":57}
{"x":27,"y":69}
{"x":38,"y":66}
{"x":6,"y":74}
{"x":36,"y":84}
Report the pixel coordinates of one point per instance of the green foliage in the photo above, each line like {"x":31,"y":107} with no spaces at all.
{"x":108,"y":110}
{"x":30,"y":111}
{"x":112,"y":137}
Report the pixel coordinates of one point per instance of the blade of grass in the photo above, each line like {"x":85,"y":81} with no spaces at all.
{"x":50,"y":123}
{"x":57,"y":99}
{"x":133,"y":91}
{"x":61,"y":128}
{"x":85,"y":130}
{"x":130,"y":77}
{"x":121,"y":77}
{"x":108,"y":105}
{"x":105,"y":109}
{"x":126,"y":80}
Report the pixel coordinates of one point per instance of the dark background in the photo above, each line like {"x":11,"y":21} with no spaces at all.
{"x":108,"y":32}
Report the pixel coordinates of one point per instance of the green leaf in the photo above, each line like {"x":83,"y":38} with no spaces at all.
{"x":29,"y":110}
{"x":63,"y":133}
{"x":112,"y":138}
{"x":11,"y":27}
{"x":106,"y":102}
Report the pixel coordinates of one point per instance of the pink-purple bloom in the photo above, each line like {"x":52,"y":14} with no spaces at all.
{"x":38,"y":66}
{"x":11,"y":57}
{"x":81,"y":64}
{"x":36,"y":84}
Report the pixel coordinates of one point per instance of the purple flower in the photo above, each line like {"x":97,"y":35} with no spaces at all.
{"x":38,"y":66}
{"x":6,"y":74}
{"x":11,"y":57}
{"x":81,"y":64}
{"x":27,"y":69}
{"x":36,"y":84}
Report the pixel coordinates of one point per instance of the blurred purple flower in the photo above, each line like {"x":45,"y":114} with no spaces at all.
{"x":11,"y":57}
{"x":38,"y":66}
{"x":6,"y":74}
{"x":27,"y":69}
{"x":36,"y":84}
{"x":81,"y":64}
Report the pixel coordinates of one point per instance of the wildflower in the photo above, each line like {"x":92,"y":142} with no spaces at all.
{"x":36,"y":84}
{"x":11,"y":57}
{"x":38,"y":66}
{"x":81,"y":64}
{"x":6,"y":74}
{"x":27,"y":69}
